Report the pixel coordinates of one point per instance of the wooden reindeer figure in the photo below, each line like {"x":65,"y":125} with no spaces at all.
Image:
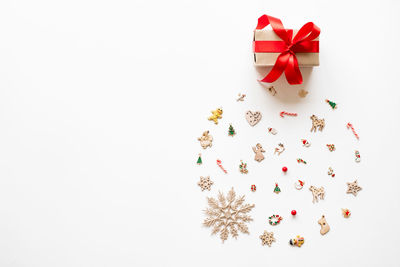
{"x":317,"y":192}
{"x":259,"y":152}
{"x":317,"y":123}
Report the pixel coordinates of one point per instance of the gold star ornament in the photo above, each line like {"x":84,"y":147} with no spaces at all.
{"x":353,"y":188}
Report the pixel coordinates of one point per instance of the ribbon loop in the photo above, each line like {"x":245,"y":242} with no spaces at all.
{"x":302,"y":42}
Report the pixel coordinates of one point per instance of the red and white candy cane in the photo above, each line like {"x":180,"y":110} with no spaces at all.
{"x":350,"y":126}
{"x":219,"y":163}
{"x":287,"y":113}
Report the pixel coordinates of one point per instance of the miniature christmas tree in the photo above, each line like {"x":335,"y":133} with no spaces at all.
{"x":199,"y":161}
{"x":231,"y":131}
{"x":332,"y":104}
{"x":277,"y":190}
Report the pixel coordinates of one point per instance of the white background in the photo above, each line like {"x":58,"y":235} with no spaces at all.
{"x":101,"y":103}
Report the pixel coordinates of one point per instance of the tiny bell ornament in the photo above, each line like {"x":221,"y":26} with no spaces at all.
{"x":277,"y":190}
{"x":243,"y":167}
{"x":332,"y":104}
{"x":231,"y":131}
{"x":253,"y":188}
{"x":199,"y":161}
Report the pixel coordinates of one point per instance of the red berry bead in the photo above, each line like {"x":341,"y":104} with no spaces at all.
{"x":284,"y":169}
{"x":294,"y":212}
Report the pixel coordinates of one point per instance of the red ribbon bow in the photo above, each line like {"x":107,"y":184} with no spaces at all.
{"x":288,"y":47}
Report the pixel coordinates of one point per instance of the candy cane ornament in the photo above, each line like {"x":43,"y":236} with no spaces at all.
{"x":219,"y":163}
{"x":350,"y":126}
{"x":287,"y":113}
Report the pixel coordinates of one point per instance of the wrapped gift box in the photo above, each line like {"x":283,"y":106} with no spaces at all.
{"x":269,"y":58}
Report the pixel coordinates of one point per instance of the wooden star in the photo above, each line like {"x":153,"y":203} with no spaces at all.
{"x":353,"y":188}
{"x":205,"y":183}
{"x":267,"y":238}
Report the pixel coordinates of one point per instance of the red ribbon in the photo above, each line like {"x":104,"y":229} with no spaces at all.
{"x":288,"y":47}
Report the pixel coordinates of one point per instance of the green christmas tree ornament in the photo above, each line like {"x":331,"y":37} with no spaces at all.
{"x":277,"y":190}
{"x":332,"y":104}
{"x":231,"y":131}
{"x":199,"y":161}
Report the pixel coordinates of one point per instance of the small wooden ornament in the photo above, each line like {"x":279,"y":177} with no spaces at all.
{"x":241,"y":97}
{"x":317,"y":193}
{"x":324,"y":225}
{"x":272,"y":90}
{"x":267,"y":238}
{"x":216,"y":114}
{"x":205,"y":140}
{"x":317,"y":123}
{"x":253,"y":117}
{"x":258,"y":150}
{"x":303,"y":93}
{"x":279,"y":149}
{"x":205,"y":183}
{"x":346,"y":213}
{"x":353,"y":188}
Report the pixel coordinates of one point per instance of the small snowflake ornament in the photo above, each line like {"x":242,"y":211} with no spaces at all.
{"x":205,"y":183}
{"x":267,"y":238}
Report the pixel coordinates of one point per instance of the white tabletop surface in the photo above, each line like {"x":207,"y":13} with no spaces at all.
{"x":101,"y":103}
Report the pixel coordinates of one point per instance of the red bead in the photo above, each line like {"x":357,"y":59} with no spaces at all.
{"x":294,"y":212}
{"x":284,"y":169}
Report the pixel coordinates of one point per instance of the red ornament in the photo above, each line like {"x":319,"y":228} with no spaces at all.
{"x":253,"y":188}
{"x":294,"y":212}
{"x":284,"y":169}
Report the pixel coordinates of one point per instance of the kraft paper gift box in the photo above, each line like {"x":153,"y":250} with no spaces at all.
{"x":269,"y":58}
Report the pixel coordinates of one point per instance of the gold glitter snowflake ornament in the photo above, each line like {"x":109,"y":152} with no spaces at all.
{"x":228,"y":215}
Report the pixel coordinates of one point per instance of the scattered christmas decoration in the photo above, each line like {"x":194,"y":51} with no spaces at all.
{"x":317,"y":123}
{"x":243,"y":167}
{"x":299,"y":160}
{"x":350,"y":126}
{"x":324,"y":225}
{"x":299,"y":184}
{"x":279,"y":149}
{"x":353,"y":188}
{"x":205,"y":140}
{"x":216,"y":114}
{"x":293,"y":212}
{"x":282,"y":113}
{"x":274,"y":219}
{"x":219,"y":163}
{"x":241,"y":97}
{"x":272,"y":90}
{"x":267,"y":238}
{"x":231,"y":131}
{"x":253,"y":188}
{"x":205,"y":183}
{"x":298,"y":241}
{"x":346,"y":213}
{"x":303,"y":93}
{"x":317,"y":193}
{"x":199,"y":161}
{"x":332,"y":104}
{"x":253,"y":117}
{"x":331,"y":147}
{"x":228,"y":215}
{"x":258,"y":150}
{"x":305,"y":143}
{"x":358,"y":157}
{"x":272,"y":131}
{"x":284,"y":169}
{"x":277,"y":190}
{"x":330,"y":172}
